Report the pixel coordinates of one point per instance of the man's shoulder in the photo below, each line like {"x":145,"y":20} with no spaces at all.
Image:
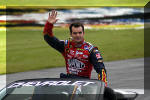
{"x":66,"y":42}
{"x":88,"y":43}
{"x":89,"y":46}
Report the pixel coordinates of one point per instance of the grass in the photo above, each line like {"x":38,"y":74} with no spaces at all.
{"x":119,"y":44}
{"x":74,"y":2}
{"x":2,"y":52}
{"x":26,"y":49}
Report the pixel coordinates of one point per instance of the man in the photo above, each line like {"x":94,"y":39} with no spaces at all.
{"x":80,"y":56}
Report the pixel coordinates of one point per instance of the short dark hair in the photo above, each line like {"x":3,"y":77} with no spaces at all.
{"x":76,"y":24}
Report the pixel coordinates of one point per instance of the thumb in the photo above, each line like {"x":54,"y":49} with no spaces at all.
{"x":56,"y":20}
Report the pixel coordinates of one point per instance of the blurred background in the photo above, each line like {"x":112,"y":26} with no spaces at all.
{"x":98,"y":17}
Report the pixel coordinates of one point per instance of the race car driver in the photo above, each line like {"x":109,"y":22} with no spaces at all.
{"x":80,"y":56}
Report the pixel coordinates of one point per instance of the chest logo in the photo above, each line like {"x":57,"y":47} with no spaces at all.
{"x":77,"y":52}
{"x":75,"y":64}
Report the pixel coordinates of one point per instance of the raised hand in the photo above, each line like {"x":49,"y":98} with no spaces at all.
{"x":52,"y":17}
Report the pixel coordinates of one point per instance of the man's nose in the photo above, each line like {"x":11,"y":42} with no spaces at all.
{"x":78,"y":34}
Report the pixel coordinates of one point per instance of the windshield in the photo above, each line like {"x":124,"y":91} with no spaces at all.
{"x":53,"y":90}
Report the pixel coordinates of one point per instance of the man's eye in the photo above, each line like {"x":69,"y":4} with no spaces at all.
{"x":74,"y":32}
{"x":80,"y":32}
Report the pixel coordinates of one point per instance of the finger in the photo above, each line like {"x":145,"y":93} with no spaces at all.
{"x":49,"y":14}
{"x":56,"y":20}
{"x":55,"y":14}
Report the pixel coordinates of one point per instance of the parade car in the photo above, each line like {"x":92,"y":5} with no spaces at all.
{"x":58,"y":89}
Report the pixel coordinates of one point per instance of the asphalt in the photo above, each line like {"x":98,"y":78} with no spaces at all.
{"x":123,"y":74}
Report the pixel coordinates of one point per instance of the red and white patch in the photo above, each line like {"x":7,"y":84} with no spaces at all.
{"x":71,"y":52}
{"x":69,"y":56}
{"x":98,"y":55}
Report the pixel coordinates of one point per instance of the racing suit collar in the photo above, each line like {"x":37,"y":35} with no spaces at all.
{"x":77,"y":45}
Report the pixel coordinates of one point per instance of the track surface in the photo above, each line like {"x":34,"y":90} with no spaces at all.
{"x":123,"y":74}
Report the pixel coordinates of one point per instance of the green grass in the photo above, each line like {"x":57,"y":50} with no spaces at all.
{"x":2,"y":52}
{"x":26,"y":49}
{"x":74,"y":2}
{"x":119,"y":44}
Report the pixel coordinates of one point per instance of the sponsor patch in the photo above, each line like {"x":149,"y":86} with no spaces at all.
{"x":100,"y":61}
{"x":77,"y":52}
{"x":71,"y":52}
{"x":95,"y":50}
{"x":86,"y":47}
{"x":91,"y":48}
{"x":69,"y":56}
{"x":98,"y":55}
{"x":80,"y":49}
{"x":85,"y":56}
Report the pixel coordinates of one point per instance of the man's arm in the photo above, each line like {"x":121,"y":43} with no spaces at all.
{"x":48,"y":33}
{"x":97,"y":61}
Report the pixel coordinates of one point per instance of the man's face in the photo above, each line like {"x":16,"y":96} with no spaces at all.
{"x":77,"y":34}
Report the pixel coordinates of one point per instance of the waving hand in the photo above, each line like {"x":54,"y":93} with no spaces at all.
{"x":52,"y":17}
